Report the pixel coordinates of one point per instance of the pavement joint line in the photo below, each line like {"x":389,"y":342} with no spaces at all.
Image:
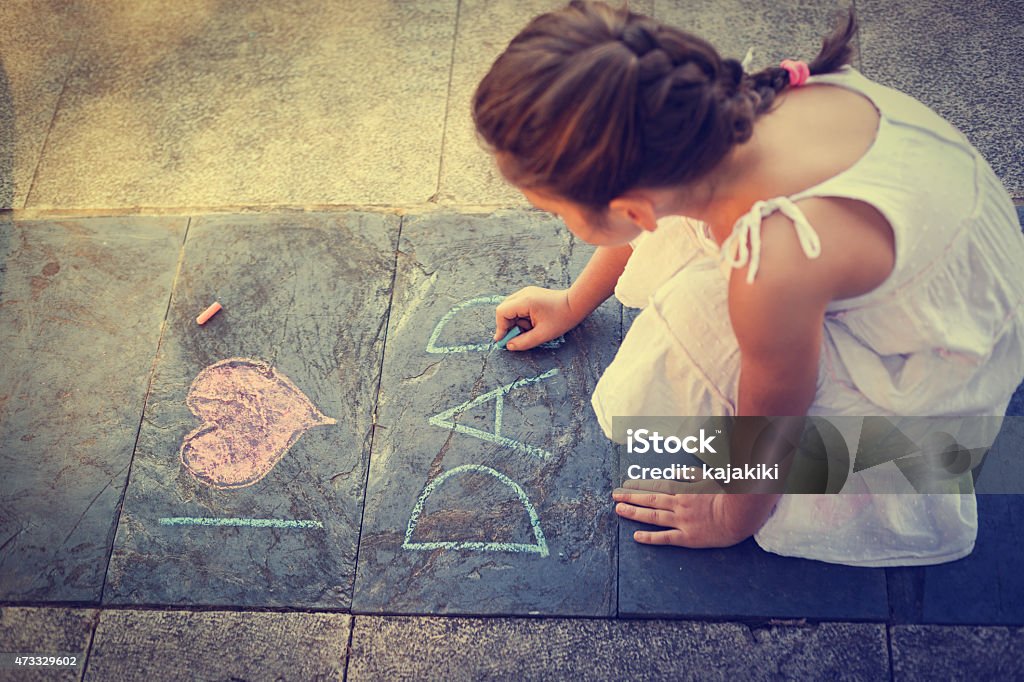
{"x":93,"y":626}
{"x":348,"y":647}
{"x":145,"y":400}
{"x":448,"y":100}
{"x":888,"y":649}
{"x":376,"y":403}
{"x":53,"y":119}
{"x":29,"y":214}
{"x":419,"y":208}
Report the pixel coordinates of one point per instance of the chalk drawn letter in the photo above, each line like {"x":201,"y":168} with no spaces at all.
{"x":432,"y":346}
{"x":445,"y":420}
{"x":251,"y":416}
{"x":540,"y":547}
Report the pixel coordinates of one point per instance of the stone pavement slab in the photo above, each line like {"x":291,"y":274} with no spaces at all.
{"x":46,"y":632}
{"x":986,"y":587}
{"x":210,"y":103}
{"x":401,"y":648}
{"x":143,"y":646}
{"x":468,"y":174}
{"x":741,"y":582}
{"x":246,"y":487}
{"x":37,"y":44}
{"x":964,"y":60}
{"x":929,"y":652}
{"x":489,"y":485}
{"x":81,"y":308}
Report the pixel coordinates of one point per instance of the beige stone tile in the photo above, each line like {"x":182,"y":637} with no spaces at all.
{"x":468,"y":175}
{"x":37,"y":41}
{"x":201,"y":103}
{"x":150,"y":646}
{"x":48,"y":631}
{"x":453,"y":649}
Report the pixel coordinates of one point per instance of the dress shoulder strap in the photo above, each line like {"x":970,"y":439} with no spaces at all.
{"x":743,"y":246}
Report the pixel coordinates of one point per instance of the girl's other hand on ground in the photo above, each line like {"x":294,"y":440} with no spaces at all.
{"x":542,"y":314}
{"x":694,"y":514}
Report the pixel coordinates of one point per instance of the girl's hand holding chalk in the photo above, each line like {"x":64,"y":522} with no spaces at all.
{"x":539,"y":314}
{"x":208,"y":313}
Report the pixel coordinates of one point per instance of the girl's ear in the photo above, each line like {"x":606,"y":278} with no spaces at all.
{"x":638,"y":209}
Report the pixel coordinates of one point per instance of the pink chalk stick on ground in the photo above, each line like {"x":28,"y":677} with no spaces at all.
{"x":208,"y":313}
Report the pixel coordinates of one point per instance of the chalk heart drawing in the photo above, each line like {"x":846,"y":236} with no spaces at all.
{"x":432,"y":346}
{"x":445,"y":420}
{"x":251,"y":416}
{"x":540,"y":547}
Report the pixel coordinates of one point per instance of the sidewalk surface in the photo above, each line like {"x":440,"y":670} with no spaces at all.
{"x":418,"y":504}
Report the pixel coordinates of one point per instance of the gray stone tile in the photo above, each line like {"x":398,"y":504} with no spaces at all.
{"x":172,"y":645}
{"x":741,"y":582}
{"x":929,"y":652}
{"x":987,"y":586}
{"x":36,"y":47}
{"x":537,"y":649}
{"x":964,"y":60}
{"x":1001,"y":471}
{"x":447,"y":525}
{"x":209,"y":103}
{"x":46,"y":632}
{"x":304,"y":298}
{"x":81,"y":308}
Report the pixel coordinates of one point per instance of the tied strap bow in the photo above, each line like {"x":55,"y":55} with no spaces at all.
{"x":743,"y":246}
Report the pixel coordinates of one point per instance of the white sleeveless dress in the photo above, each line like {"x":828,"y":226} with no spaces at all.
{"x":943,"y":335}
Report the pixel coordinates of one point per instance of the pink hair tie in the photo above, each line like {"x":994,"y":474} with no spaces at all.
{"x":799,"y":72}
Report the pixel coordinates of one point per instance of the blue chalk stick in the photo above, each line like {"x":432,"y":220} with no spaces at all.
{"x":512,"y":333}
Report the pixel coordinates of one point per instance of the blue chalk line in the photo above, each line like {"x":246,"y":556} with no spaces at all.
{"x":251,"y":523}
{"x":432,"y":346}
{"x":444,"y":419}
{"x":541,"y":546}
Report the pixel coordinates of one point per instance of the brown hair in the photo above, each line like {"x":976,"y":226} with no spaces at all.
{"x":589,"y":101}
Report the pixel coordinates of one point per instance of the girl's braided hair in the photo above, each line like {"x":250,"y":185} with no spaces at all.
{"x":591,"y":101}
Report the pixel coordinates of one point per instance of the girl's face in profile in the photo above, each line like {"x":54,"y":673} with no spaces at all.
{"x":616,"y":230}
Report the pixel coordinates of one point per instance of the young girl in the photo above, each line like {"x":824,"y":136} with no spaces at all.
{"x":802,"y":240}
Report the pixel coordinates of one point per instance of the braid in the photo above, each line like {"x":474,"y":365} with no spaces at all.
{"x":765,"y":85}
{"x":683,"y":90}
{"x":836,"y":52}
